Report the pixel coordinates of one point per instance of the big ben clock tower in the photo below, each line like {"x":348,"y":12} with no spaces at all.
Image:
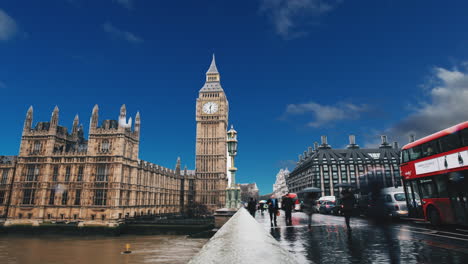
{"x":211,"y":147}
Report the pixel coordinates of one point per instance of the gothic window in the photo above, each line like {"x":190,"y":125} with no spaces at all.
{"x":64,"y":197}
{"x":32,"y":173}
{"x":28,"y":196}
{"x":52,"y":197}
{"x":4,"y":176}
{"x":2,"y":196}
{"x":55,"y":173}
{"x":105,"y":146}
{"x":67,"y":173}
{"x":77,"y":197}
{"x":80,"y":173}
{"x":100,"y":197}
{"x":37,"y":146}
{"x":102,"y":173}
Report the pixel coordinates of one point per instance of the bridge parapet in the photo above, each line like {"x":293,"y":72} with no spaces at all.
{"x":243,"y":240}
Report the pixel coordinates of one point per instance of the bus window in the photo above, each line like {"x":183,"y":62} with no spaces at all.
{"x":449,"y":142}
{"x":404,"y":156}
{"x":441,"y":183}
{"x":430,"y":148}
{"x":427,"y":188}
{"x":464,"y":137}
{"x":415,"y":153}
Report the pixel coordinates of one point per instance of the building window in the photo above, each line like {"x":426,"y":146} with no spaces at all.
{"x":67,"y":173}
{"x":20,"y":215}
{"x":37,"y":147}
{"x":100,"y":197}
{"x":49,"y":216}
{"x":32,"y":173}
{"x":55,"y":173}
{"x":75,"y":216}
{"x":103,"y":217}
{"x":102,"y":173}
{"x":80,"y":173}
{"x":52,"y":197}
{"x":93,"y":217}
{"x":77,"y":197}
{"x":2,"y":196}
{"x":30,"y":215}
{"x":4,"y":176}
{"x":28,"y":196}
{"x":64,"y":197}
{"x":105,"y":146}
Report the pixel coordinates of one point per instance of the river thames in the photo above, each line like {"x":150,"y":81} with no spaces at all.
{"x":74,"y":250}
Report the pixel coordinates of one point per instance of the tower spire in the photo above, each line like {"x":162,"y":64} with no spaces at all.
{"x":75,"y":125}
{"x":28,"y":121}
{"x":212,"y":75}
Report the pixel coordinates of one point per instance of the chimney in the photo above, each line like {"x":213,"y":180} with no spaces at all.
{"x":395,"y":145}
{"x":305,"y":154}
{"x":411,"y":138}
{"x":300,"y":157}
{"x":352,"y":140}
{"x":384,"y":139}
{"x":310,"y":150}
{"x":324,"y":140}
{"x":316,"y":145}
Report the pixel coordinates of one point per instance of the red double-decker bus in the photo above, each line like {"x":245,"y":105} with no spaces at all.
{"x":434,"y":170}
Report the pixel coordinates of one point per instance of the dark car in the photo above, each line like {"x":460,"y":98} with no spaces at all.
{"x":337,"y":209}
{"x":326,"y":207}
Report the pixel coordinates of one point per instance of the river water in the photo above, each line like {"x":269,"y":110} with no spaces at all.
{"x":169,"y":249}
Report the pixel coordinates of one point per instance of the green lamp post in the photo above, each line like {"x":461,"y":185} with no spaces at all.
{"x":232,"y":191}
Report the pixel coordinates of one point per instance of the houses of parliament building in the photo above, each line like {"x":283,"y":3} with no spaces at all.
{"x":61,"y":175}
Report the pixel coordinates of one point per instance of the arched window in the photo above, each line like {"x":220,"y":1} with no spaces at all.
{"x":105,"y":146}
{"x":37,"y":146}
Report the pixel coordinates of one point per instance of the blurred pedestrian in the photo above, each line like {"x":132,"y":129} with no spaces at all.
{"x":273,"y":209}
{"x":287,"y":204}
{"x":348,"y":201}
{"x":309,"y":206}
{"x":252,"y":206}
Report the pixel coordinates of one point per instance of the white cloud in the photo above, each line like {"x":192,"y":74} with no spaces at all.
{"x":326,"y":114}
{"x":125,"y":3}
{"x":8,"y":27}
{"x":290,"y":16}
{"x":446,"y":105}
{"x":118,"y":33}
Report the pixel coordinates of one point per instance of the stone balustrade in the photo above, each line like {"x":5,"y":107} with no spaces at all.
{"x":242,"y":240}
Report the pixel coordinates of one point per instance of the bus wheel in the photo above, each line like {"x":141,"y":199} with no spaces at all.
{"x":434,"y":217}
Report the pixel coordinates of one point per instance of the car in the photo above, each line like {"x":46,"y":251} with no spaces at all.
{"x":395,"y":202}
{"x":337,"y":209}
{"x":326,"y":207}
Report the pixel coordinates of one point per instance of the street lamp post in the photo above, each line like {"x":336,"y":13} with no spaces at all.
{"x":232,"y":191}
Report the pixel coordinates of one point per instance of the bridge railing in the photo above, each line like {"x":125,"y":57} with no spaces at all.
{"x":242,"y":240}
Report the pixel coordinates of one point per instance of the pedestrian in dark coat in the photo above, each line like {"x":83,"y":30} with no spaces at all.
{"x":288,"y":205}
{"x":273,"y":208}
{"x":348,"y":201}
{"x":252,"y":206}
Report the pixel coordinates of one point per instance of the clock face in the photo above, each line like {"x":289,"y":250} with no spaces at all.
{"x":210,"y":108}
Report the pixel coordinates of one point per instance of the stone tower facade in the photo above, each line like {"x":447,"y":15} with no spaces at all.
{"x":212,"y":111}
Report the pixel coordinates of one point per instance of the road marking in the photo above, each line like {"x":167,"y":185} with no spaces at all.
{"x":431,"y":234}
{"x":462,"y":230}
{"x":435,"y":231}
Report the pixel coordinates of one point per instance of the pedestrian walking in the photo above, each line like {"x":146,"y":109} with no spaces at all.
{"x":348,"y":201}
{"x":288,"y":205}
{"x":273,"y":209}
{"x":309,"y":206}
{"x":252,"y":207}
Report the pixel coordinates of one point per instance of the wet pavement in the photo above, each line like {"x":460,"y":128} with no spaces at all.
{"x":328,"y":241}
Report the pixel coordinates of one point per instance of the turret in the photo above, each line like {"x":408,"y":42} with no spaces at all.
{"x":177,"y":168}
{"x":123,"y":116}
{"x":75,"y":125}
{"x":137,"y":125}
{"x":94,"y":119}
{"x":28,"y":121}
{"x":54,"y":118}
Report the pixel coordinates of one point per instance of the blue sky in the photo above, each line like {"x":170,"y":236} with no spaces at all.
{"x":292,"y":70}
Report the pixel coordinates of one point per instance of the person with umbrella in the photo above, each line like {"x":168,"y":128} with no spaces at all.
{"x":310,"y":202}
{"x":273,"y":208}
{"x":288,"y":204}
{"x":348,"y":201}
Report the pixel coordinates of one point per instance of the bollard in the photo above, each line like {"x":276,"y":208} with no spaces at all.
{"x":127,"y":249}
